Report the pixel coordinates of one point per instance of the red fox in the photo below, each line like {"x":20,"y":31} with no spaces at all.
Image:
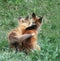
{"x":31,"y":43}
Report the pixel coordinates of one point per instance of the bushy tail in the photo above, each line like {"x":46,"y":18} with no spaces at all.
{"x":25,"y":37}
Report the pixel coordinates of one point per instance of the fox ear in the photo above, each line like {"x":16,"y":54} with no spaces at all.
{"x":33,"y":15}
{"x":40,"y":19}
{"x":27,"y":17}
{"x":19,"y":18}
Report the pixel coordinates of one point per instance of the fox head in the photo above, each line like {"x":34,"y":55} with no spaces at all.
{"x":36,"y":20}
{"x":24,"y":21}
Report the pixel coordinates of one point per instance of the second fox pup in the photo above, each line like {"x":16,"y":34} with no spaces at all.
{"x":15,"y":36}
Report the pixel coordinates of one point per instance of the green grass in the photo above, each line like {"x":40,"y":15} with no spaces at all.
{"x":48,"y":37}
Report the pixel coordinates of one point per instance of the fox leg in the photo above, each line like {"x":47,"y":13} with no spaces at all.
{"x":14,"y":46}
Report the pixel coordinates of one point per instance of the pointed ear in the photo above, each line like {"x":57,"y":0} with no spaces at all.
{"x":33,"y":15}
{"x":27,"y":17}
{"x":19,"y":18}
{"x":40,"y":19}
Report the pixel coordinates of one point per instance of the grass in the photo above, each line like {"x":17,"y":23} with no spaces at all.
{"x":48,"y":37}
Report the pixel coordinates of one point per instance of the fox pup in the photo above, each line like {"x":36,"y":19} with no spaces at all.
{"x":31,"y":43}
